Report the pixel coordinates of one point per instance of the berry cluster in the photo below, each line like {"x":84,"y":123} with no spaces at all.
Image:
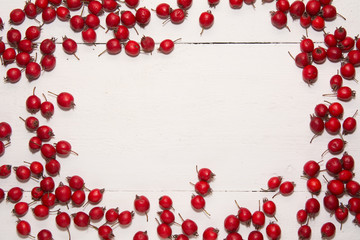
{"x":337,"y":44}
{"x":314,"y":13}
{"x":341,"y":185}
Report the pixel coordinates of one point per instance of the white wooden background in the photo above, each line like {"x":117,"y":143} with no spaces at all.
{"x":231,"y":100}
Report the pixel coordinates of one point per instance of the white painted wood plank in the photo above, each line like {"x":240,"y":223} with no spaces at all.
{"x":146,"y":122}
{"x":242,"y":25}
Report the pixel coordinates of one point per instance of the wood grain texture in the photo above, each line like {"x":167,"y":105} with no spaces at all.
{"x":231,"y":100}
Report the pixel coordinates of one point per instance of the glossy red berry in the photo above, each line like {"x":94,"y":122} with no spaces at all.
{"x":184,"y":4}
{"x":273,"y":231}
{"x":328,"y":230}
{"x":166,"y":46}
{"x":125,"y":218}
{"x":231,"y":223}
{"x":143,"y":16}
{"x":132,"y":48}
{"x":142,"y":204}
{"x":163,"y":10}
{"x":206,"y":20}
{"x":297,"y":9}
{"x":310,"y":74}
{"x":15,"y":194}
{"x":279,"y":19}
{"x":23,"y":228}
{"x":312,"y":207}
{"x":147,"y":44}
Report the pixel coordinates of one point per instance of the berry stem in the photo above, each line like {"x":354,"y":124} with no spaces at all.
{"x":206,"y":212}
{"x":355,"y":114}
{"x":53,"y":93}
{"x":181,"y":217}
{"x":341,"y":16}
{"x":67,"y":229}
{"x":22,"y":119}
{"x":237,"y":204}
{"x":76,"y":56}
{"x":291,"y":55}
{"x":45,"y":97}
{"x":102,"y":53}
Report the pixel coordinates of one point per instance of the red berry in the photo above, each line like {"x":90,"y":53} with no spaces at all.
{"x":312,"y":207}
{"x":63,"y":14}
{"x":121,"y":33}
{"x":279,"y":19}
{"x":164,"y":231}
{"x":314,"y":185}
{"x":112,"y":20}
{"x":89,"y":36}
{"x":304,"y":232}
{"x":310,"y":74}
{"x":336,"y":187}
{"x":330,"y":40}
{"x":17,"y":16}
{"x":297,"y":8}
{"x":328,"y":230}
{"x":69,"y":46}
{"x":81,"y":219}
{"x":184,"y":4}
{"x":318,"y":23}
{"x":313,"y":7}
{"x":258,"y":219}
{"x":166,"y":46}
{"x":96,"y":213}
{"x":273,"y":231}
{"x":165,"y":202}
{"x":347,"y":71}
{"x":189,"y":227}
{"x":231,"y":223}
{"x":132,"y":48}
{"x":23,"y":228}
{"x":15,"y":194}
{"x":167,"y":217}
{"x":336,"y":146}
{"x":336,"y":110}
{"x":132,"y":3}
{"x":311,"y":168}
{"x":77,"y":23}
{"x":44,"y":234}
{"x":340,"y":33}
{"x":236,"y":4}
{"x":307,"y":45}
{"x":95,"y":7}
{"x":128,"y":19}
{"x":210,"y":233}
{"x":206,"y":20}
{"x":13,"y":75}
{"x":95,"y":195}
{"x":112,"y":215}
{"x":33,"y":71}
{"x":163,"y":10}
{"x":147,"y":43}
{"x":143,"y":16}
{"x":331,"y":202}
{"x":125,"y":218}
{"x":347,"y":161}
{"x":142,"y":204}
{"x":336,"y":82}
{"x":177,"y":16}
{"x":301,"y":216}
